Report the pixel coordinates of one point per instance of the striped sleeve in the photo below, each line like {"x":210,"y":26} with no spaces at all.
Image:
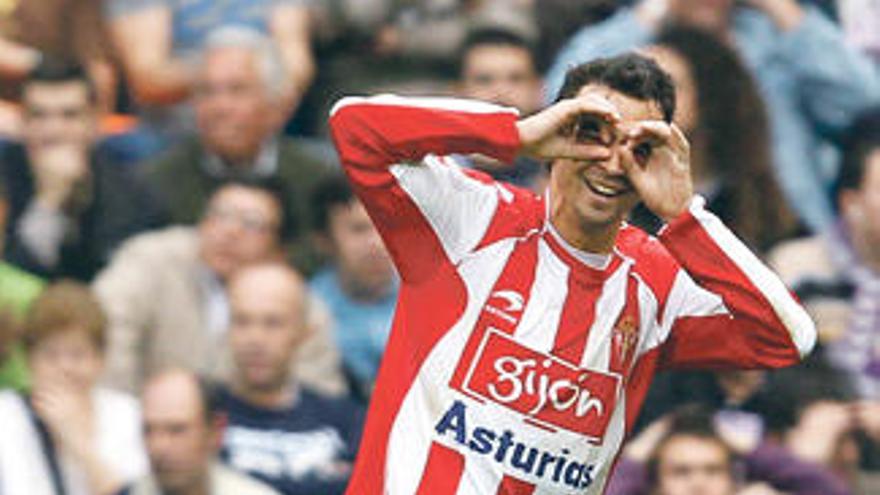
{"x":428,"y":210}
{"x":726,"y":309}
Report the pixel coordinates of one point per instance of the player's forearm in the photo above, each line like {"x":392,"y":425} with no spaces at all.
{"x":722,"y":264}
{"x":384,"y":130}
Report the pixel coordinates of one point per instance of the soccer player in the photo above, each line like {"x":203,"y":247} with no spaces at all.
{"x":528,"y":328}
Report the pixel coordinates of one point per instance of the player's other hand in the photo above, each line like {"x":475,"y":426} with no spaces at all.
{"x":548,"y":135}
{"x":657,"y":161}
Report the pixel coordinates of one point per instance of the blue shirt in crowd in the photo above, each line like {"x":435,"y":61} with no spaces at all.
{"x":360,"y":328}
{"x":304,"y":449}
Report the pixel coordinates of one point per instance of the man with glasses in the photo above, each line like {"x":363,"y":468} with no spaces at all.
{"x":165,"y":292}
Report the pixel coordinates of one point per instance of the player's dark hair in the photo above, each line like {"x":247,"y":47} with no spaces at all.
{"x":53,"y":70}
{"x":278,"y":190}
{"x":861,"y":138}
{"x":694,"y":421}
{"x":492,"y":36}
{"x":332,"y":192}
{"x":632,"y":74}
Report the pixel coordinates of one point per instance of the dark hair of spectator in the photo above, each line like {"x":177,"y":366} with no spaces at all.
{"x":64,"y":306}
{"x":332,"y":192}
{"x":861,"y":138}
{"x":632,"y":74}
{"x":693,"y":421}
{"x":733,"y":130}
{"x":492,"y":36}
{"x":278,"y":190}
{"x":52,"y":70}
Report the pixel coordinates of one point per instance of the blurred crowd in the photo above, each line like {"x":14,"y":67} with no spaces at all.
{"x":193,"y":300}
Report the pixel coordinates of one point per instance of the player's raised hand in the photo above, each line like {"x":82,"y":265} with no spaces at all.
{"x":657,"y":161}
{"x":549,"y":133}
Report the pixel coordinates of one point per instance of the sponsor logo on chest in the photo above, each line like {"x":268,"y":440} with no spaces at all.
{"x":546,"y":390}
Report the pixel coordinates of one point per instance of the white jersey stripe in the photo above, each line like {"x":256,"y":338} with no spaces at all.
{"x":597,"y":353}
{"x":540,"y":321}
{"x":459,"y":225}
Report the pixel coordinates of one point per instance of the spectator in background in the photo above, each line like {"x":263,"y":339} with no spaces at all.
{"x":69,"y":206}
{"x":837,"y":272}
{"x":693,"y":452}
{"x":17,"y":290}
{"x":159,"y":41}
{"x":31,"y":30}
{"x":182,"y":431}
{"x":360,"y":287}
{"x":238,"y":91}
{"x":499,"y":66}
{"x":809,"y":99}
{"x":67,"y":435}
{"x":165,"y":291}
{"x":724,"y":118}
{"x":277,"y":429}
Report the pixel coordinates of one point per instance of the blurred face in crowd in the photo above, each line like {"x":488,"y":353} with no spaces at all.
{"x":596,"y":195}
{"x":57,"y":113}
{"x":502,"y":74}
{"x":685,"y":87}
{"x":180,"y":440}
{"x":692,"y":465}
{"x":235,"y":111}
{"x":711,"y":15}
{"x":363,"y":262}
{"x":69,"y":358}
{"x":861,"y":207}
{"x":240,"y":226}
{"x":268,"y":323}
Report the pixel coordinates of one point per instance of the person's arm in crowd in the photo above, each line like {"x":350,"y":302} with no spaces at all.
{"x":125,"y":289}
{"x":290,"y":26}
{"x":142,"y":37}
{"x":70,"y":417}
{"x":778,"y":467}
{"x":58,"y":170}
{"x":626,"y":30}
{"x":16,"y":60}
{"x":834,"y":79}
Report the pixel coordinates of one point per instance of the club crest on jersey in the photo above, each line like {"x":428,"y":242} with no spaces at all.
{"x":546,"y":390}
{"x":624,"y":337}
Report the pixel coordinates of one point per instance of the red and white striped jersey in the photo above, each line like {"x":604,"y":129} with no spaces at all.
{"x":517,"y":363}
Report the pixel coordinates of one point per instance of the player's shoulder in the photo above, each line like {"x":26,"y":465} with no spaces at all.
{"x":652,"y":262}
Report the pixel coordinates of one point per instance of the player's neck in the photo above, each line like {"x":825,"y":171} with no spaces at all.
{"x":588,"y":238}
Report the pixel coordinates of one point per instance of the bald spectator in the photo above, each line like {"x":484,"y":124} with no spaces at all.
{"x":165,"y":292}
{"x":238,"y":92}
{"x":182,"y":430}
{"x":70,"y":205}
{"x":67,"y":434}
{"x":279,"y":430}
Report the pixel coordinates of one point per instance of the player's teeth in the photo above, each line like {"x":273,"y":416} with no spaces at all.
{"x":604,"y":190}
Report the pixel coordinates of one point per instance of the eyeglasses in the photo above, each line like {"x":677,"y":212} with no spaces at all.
{"x":249,"y":221}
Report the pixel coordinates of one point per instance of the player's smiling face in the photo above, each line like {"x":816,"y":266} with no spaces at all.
{"x":595,"y":196}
